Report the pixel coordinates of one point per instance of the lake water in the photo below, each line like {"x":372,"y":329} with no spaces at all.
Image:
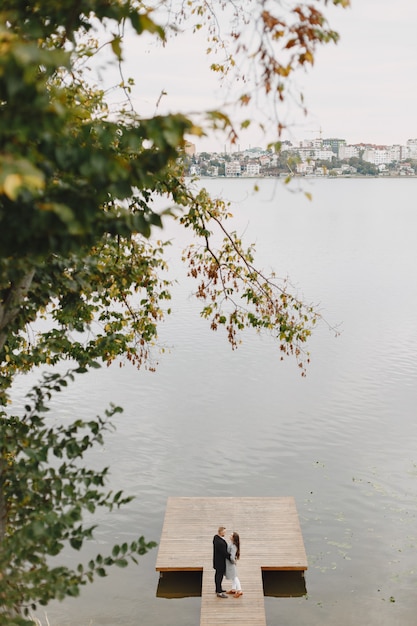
{"x":213,"y":422}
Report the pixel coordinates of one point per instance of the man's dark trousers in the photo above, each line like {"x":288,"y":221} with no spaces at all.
{"x":218,"y":577}
{"x":219,"y":560}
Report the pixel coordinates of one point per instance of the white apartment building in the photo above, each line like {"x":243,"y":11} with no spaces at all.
{"x":307,"y":153}
{"x":383,"y":154}
{"x":264,"y":159}
{"x":305,"y":168}
{"x":324,"y":154}
{"x":233,"y":168}
{"x":377,"y":156}
{"x":311,"y":143}
{"x":348,"y":152}
{"x":398,"y":153}
{"x":253,"y":169}
{"x":411,"y":147}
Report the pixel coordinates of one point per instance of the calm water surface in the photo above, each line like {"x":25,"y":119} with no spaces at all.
{"x":212,"y":422}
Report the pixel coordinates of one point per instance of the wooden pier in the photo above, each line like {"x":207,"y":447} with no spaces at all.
{"x":270,"y":538}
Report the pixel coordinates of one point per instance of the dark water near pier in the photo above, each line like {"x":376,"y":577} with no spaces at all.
{"x":342,"y":441}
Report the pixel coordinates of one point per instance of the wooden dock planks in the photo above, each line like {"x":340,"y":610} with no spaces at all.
{"x":248,"y":610}
{"x":270,"y":536}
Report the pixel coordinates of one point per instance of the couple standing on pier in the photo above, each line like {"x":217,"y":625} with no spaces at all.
{"x":225,"y":556}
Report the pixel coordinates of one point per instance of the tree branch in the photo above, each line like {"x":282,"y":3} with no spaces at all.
{"x":11,"y":306}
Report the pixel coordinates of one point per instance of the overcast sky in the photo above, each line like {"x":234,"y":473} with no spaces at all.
{"x":363,"y":89}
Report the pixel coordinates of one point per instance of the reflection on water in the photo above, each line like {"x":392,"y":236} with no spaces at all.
{"x":284,"y":584}
{"x":216,"y":422}
{"x":179,"y":584}
{"x":188,"y":584}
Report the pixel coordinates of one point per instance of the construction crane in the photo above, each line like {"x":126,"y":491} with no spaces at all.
{"x":320,"y":132}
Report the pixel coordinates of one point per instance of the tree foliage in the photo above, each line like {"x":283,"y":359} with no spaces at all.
{"x":47,"y":490}
{"x":363,"y":167}
{"x":77,"y":192}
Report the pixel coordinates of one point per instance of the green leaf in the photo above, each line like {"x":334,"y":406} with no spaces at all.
{"x":117,"y":47}
{"x":100,"y":571}
{"x":76,"y":543}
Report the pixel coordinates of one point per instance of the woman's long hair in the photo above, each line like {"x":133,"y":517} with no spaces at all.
{"x":236,"y":541}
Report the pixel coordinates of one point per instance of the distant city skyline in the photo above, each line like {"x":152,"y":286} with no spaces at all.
{"x":410,"y":144}
{"x":317,"y":157}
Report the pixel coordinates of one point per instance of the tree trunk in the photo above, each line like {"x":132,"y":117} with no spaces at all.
{"x":3,"y":509}
{"x":9,"y":308}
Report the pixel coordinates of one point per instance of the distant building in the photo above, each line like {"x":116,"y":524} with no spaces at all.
{"x":324,"y":154}
{"x":264,"y":160}
{"x":398,"y":153}
{"x":411,"y":149}
{"x":377,"y":156}
{"x":233,"y":168}
{"x":313,"y":151}
{"x":406,"y":170}
{"x":348,"y":169}
{"x":348,"y":152}
{"x":253,"y":168}
{"x":304,"y":168}
{"x":311,"y":143}
{"x":334,"y":145}
{"x":305,"y":153}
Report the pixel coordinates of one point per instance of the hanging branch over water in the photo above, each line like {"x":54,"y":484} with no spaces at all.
{"x":237,"y":295}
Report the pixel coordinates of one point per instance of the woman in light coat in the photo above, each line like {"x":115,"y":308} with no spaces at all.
{"x":233,"y":550}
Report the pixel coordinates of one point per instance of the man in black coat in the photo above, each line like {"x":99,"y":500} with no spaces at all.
{"x":219,"y":560}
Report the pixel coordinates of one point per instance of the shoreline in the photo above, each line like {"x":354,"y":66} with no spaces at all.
{"x":355,"y":176}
